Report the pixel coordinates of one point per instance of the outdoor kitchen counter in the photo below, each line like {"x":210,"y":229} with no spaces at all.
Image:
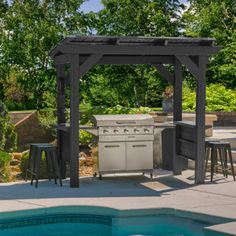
{"x":163,"y":137}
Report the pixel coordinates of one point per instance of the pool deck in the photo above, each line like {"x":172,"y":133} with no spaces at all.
{"x":124,"y":192}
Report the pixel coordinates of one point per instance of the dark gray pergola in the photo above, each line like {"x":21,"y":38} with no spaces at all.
{"x":81,"y":53}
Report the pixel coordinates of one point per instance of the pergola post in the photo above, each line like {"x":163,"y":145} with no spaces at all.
{"x":177,"y":113}
{"x":200,"y":121}
{"x":61,"y":117}
{"x":74,"y":120}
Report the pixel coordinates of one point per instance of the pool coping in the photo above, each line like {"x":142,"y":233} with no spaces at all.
{"x":221,"y":226}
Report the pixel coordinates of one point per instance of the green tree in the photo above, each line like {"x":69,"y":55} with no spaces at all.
{"x":133,"y":85}
{"x":30,"y":28}
{"x":215,"y":18}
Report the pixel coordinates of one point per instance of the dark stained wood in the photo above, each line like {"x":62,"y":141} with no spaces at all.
{"x":200,"y":121}
{"x":178,"y":162}
{"x":61,"y":117}
{"x":191,"y":66}
{"x":74,"y":121}
{"x":165,"y":73}
{"x":89,"y":62}
{"x":82,"y":52}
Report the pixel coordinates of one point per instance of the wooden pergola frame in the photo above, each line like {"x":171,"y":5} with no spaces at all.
{"x":81,"y":53}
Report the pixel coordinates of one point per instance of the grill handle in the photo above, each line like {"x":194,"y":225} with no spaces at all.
{"x":111,"y":146}
{"x":139,"y":145}
{"x":125,"y":122}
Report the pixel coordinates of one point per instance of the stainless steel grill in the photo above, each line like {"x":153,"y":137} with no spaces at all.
{"x":125,"y":143}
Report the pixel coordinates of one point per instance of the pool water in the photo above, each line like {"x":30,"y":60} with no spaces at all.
{"x":161,"y":225}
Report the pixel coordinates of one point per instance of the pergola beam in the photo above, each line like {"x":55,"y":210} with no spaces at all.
{"x":191,"y":66}
{"x":138,"y":50}
{"x":89,"y":62}
{"x":61,"y":59}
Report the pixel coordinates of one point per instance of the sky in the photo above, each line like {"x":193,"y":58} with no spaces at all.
{"x":95,"y":5}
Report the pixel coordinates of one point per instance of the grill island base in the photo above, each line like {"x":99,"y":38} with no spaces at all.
{"x":125,"y":143}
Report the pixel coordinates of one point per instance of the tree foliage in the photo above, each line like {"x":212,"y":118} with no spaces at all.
{"x":29,"y":30}
{"x":131,"y":85}
{"x":217,"y":19}
{"x":7,"y":132}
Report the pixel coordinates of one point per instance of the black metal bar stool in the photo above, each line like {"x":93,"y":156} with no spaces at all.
{"x":35,"y":157}
{"x":219,"y":151}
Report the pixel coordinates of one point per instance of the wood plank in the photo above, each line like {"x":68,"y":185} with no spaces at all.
{"x":200,"y":121}
{"x":138,"y":50}
{"x":165,"y":73}
{"x":191,"y":66}
{"x":88,"y":63}
{"x":61,"y":117}
{"x":74,"y":121}
{"x":177,"y":116}
{"x":61,"y":59}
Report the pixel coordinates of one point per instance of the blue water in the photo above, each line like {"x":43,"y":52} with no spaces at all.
{"x":147,"y":225}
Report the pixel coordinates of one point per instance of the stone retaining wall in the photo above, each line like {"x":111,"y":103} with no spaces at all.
{"x":225,"y":118}
{"x":29,"y":131}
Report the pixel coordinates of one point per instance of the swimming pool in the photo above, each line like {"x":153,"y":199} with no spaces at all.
{"x":102,"y":222}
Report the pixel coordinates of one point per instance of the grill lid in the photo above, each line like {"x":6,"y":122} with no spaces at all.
{"x":122,"y":120}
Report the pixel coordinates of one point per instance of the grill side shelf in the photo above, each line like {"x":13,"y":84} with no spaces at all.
{"x":90,"y":129}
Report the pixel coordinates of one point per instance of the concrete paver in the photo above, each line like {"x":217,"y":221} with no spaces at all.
{"x":127,"y":192}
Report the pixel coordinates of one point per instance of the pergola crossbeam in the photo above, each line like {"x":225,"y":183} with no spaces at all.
{"x":191,"y":66}
{"x":88,"y":63}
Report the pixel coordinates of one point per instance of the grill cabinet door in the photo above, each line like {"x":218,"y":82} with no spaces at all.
{"x":112,"y":156}
{"x":140,"y":155}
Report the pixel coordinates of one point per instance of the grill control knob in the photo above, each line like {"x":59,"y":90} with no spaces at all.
{"x":136,"y":131}
{"x":146,"y":130}
{"x":116,"y":131}
{"x":126,"y":131}
{"x":105,"y":131}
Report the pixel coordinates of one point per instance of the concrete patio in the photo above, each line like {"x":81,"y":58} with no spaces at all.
{"x":127,"y":192}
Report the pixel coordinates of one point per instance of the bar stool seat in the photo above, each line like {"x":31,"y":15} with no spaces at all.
{"x":218,"y":150}
{"x":35,"y":157}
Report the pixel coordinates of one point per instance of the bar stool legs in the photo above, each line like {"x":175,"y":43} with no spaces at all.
{"x":221,"y":151}
{"x":35,"y":157}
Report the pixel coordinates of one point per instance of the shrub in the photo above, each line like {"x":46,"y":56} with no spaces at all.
{"x":86,"y":116}
{"x":5,"y":159}
{"x":7,"y":133}
{"x":218,"y":98}
{"x":47,"y":120}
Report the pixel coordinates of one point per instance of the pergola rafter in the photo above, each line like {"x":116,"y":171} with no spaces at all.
{"x":81,"y":53}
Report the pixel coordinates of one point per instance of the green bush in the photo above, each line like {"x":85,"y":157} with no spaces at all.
{"x":85,"y":137}
{"x":218,"y":98}
{"x":87,"y":115}
{"x":7,"y":133}
{"x":47,"y":120}
{"x":5,"y":159}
